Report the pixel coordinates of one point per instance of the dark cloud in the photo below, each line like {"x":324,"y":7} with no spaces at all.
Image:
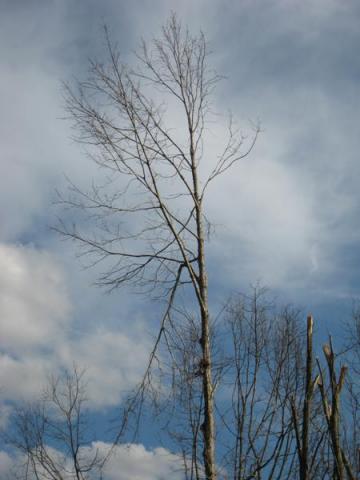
{"x":290,"y":64}
{"x":287,"y":215}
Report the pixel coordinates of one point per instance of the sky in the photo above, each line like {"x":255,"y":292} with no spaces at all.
{"x":288,"y":215}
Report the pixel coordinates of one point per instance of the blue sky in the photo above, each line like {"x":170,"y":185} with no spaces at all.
{"x":288,"y":215}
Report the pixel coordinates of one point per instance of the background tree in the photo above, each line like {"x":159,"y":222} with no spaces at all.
{"x":51,"y":434}
{"x":274,"y":421}
{"x":261,"y":370}
{"x":265,"y":370}
{"x":149,"y":220}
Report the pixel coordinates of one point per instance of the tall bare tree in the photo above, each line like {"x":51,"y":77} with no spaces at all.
{"x":149,"y":219}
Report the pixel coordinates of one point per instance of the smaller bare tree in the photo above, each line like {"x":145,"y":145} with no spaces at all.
{"x":51,"y":434}
{"x":263,"y":363}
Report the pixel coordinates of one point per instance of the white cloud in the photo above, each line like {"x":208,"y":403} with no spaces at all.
{"x":127,"y":462}
{"x":113,"y":362}
{"x":34,"y":306}
{"x":264,"y":223}
{"x":135,"y":462}
{"x":24,"y":374}
{"x":37,"y":335}
{"x":34,"y":317}
{"x":6,"y":462}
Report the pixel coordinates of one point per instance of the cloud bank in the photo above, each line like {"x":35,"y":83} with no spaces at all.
{"x":127,"y":462}
{"x":38,"y":338}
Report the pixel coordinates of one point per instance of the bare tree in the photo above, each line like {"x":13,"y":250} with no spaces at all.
{"x":274,"y":425}
{"x":149,"y":219}
{"x":263,"y":368}
{"x":52,"y":433}
{"x":264,"y":404}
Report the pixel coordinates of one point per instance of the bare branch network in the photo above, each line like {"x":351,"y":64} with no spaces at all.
{"x":149,"y":217}
{"x":277,"y":416}
{"x":150,"y":225}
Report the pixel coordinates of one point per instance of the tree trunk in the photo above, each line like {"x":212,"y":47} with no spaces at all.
{"x":304,"y":464}
{"x":208,"y":427}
